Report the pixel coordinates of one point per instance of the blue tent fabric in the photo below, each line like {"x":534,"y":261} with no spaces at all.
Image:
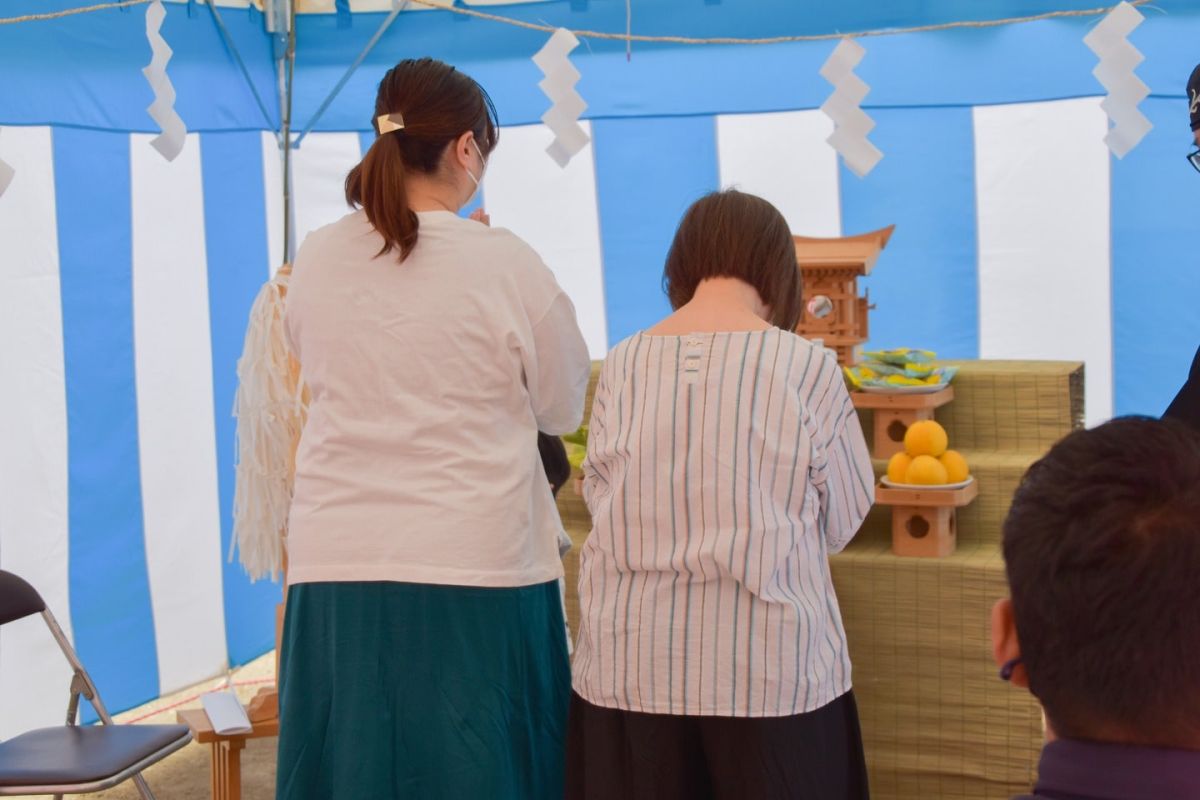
{"x":110,"y":594}
{"x":234,"y":222}
{"x":84,"y":71}
{"x":675,"y":161}
{"x":1156,"y":271}
{"x":930,"y":153}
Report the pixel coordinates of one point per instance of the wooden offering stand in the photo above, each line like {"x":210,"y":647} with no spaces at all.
{"x":894,"y":413}
{"x":923,"y":520}
{"x":263,"y":712}
{"x":226,"y":750}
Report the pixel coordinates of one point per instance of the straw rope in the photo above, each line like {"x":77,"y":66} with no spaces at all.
{"x":72,"y":11}
{"x":819,"y":37}
{"x":628,"y":37}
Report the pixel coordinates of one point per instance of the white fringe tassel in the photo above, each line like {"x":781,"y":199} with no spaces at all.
{"x":271,"y":407}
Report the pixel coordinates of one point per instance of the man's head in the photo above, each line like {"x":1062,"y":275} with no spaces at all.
{"x":1193,"y":96}
{"x":1102,"y":547}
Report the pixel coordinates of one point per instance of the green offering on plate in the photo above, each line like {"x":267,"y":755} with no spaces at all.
{"x":576,"y":446}
{"x":901,"y":356}
{"x":899,"y":369}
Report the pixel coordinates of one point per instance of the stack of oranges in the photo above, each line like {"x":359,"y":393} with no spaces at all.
{"x":926,"y":461}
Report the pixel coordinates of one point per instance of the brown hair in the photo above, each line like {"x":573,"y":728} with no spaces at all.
{"x":1101,"y":545}
{"x":438,"y":104}
{"x":731,"y":234}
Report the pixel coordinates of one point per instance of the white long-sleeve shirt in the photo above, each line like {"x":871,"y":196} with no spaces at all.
{"x":722,"y":470}
{"x":429,"y":379}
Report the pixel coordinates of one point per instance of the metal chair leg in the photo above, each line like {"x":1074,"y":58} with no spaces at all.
{"x":143,"y":789}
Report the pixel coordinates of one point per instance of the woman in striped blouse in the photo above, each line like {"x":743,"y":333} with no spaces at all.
{"x":725,"y":464}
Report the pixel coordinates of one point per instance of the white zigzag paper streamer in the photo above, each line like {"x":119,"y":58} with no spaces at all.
{"x":562,"y":118}
{"x":162,"y":110}
{"x":1118,"y":59}
{"x":6,"y":175}
{"x":844,"y":107}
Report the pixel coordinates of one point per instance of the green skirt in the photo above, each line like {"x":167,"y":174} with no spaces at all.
{"x":397,"y":690}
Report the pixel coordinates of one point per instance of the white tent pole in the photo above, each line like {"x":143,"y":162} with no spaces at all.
{"x":285,"y":12}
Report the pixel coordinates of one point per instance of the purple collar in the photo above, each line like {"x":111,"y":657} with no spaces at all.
{"x":1077,"y":770}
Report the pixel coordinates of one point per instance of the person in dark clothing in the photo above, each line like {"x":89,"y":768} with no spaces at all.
{"x":1102,"y":551}
{"x":1186,"y":406}
{"x":1193,"y":95}
{"x":554,"y":461}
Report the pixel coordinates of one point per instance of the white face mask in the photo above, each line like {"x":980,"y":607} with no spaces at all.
{"x":483,"y":171}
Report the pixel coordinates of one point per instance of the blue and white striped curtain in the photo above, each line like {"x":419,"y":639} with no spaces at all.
{"x":125,"y":282}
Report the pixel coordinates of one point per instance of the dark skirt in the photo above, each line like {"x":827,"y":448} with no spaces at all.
{"x":395,"y":690}
{"x":626,"y":755}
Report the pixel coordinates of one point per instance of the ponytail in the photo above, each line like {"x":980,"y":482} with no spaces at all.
{"x":430,"y":104}
{"x":377,"y":184}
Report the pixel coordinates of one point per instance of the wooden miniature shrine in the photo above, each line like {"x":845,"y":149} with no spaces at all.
{"x":832,"y":267}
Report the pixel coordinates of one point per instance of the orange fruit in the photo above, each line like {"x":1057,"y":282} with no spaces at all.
{"x":897,"y":470}
{"x":926,"y":438}
{"x":957,"y":470}
{"x":926,"y":471}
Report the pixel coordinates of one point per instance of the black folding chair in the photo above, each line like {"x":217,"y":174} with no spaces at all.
{"x":72,"y":759}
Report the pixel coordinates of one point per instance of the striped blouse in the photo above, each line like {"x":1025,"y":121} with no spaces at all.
{"x":722,"y":470}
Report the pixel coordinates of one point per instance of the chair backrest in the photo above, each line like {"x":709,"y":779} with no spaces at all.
{"x":17,"y":599}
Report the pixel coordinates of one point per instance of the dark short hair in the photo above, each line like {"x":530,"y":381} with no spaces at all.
{"x":731,"y":234}
{"x":1102,"y":547}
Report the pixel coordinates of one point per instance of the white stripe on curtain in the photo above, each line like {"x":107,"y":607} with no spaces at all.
{"x":555,"y":210}
{"x":1042,"y":177}
{"x":783,"y":157}
{"x":273,"y":195}
{"x":319,"y":168}
{"x":34,"y":676}
{"x":176,"y":429}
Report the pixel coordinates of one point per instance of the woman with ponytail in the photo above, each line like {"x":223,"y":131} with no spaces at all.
{"x":423,"y":650}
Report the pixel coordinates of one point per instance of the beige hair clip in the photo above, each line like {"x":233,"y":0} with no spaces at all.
{"x":390,"y":122}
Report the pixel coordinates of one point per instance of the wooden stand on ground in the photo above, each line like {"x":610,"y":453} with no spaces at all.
{"x":263,"y":712}
{"x":894,"y":413}
{"x":923,"y":520}
{"x":226,"y":750}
